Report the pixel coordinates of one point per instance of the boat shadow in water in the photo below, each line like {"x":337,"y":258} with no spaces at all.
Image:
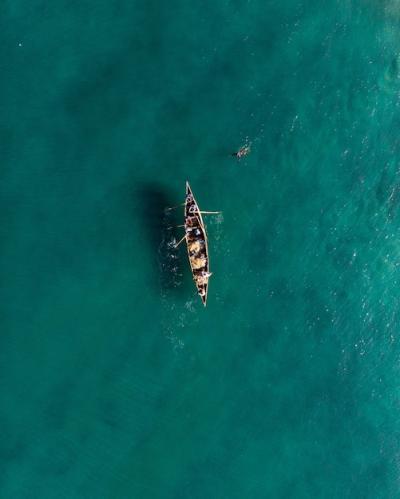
{"x":161,"y":226}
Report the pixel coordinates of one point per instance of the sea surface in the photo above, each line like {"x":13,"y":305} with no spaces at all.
{"x":115,"y":381}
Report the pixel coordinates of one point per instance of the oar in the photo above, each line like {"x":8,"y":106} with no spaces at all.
{"x":175,"y":226}
{"x":184,"y":237}
{"x":173,"y":207}
{"x":210,"y":212}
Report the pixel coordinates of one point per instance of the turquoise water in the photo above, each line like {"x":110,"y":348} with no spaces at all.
{"x":115,"y":381}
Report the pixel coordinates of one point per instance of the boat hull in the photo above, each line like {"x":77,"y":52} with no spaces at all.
{"x":197,"y":247}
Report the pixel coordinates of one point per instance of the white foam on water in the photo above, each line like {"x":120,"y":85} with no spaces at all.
{"x":176,"y":342}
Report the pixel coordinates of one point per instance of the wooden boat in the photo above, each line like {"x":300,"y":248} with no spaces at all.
{"x":196,"y":241}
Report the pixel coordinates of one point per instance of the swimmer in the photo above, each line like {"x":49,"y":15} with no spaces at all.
{"x":243,"y":151}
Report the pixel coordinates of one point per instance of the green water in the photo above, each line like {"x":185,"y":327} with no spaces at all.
{"x":115,"y":381}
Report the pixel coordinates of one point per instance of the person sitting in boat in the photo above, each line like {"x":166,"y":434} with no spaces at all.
{"x":202,"y":277}
{"x":199,"y":262}
{"x":192,"y":221}
{"x":243,"y":151}
{"x":194,"y":247}
{"x":200,"y":280}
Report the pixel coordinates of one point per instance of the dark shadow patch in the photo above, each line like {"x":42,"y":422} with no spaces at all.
{"x":13,"y":444}
{"x":258,"y":246}
{"x":162,"y":231}
{"x":260,"y":334}
{"x":317,"y":312}
{"x":59,"y":401}
{"x":100,"y":102}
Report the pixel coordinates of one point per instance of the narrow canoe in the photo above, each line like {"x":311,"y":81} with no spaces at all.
{"x":196,"y":241}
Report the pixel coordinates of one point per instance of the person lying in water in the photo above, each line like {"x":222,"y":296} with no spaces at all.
{"x":243,"y":151}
